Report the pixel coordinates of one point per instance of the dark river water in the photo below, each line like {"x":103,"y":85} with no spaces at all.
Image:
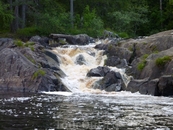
{"x":58,"y":111}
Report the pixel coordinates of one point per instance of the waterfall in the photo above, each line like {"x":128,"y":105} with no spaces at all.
{"x":76,"y":61}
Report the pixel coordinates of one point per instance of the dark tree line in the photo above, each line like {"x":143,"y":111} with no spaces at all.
{"x":125,"y":17}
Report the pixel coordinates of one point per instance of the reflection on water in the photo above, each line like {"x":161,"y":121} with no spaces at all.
{"x":121,"y":111}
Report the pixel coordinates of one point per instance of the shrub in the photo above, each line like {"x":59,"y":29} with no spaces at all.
{"x":142,"y":64}
{"x":27,"y":32}
{"x":160,"y":62}
{"x":18,"y":43}
{"x":38,"y":73}
{"x":123,"y":35}
{"x":27,"y":44}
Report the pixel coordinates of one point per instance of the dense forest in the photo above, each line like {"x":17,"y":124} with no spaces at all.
{"x":128,"y":18}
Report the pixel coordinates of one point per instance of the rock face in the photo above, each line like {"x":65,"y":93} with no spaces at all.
{"x":98,"y":72}
{"x":117,"y":56}
{"x":28,"y":70}
{"x":111,"y":81}
{"x":81,"y":39}
{"x":166,"y":85}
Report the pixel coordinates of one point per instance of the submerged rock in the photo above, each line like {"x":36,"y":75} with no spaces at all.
{"x":80,"y":60}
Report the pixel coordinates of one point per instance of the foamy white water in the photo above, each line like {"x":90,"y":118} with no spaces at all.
{"x":76,"y":80}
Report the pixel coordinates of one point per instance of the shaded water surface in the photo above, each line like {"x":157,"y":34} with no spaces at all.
{"x":120,"y":111}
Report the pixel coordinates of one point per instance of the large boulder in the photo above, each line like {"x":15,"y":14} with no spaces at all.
{"x":151,"y":68}
{"x":81,"y":39}
{"x":166,"y":85}
{"x":98,"y":72}
{"x":150,"y":88}
{"x":26,"y":70}
{"x":112,"y":81}
{"x":80,"y":60}
{"x":134,"y":85}
{"x":6,"y":43}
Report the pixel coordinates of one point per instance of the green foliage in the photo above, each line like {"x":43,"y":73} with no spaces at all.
{"x":5,"y":16}
{"x":53,"y":24}
{"x":145,"y":56}
{"x":90,"y":23}
{"x":30,"y":45}
{"x":160,"y":62}
{"x":142,"y":64}
{"x":43,"y":17}
{"x":38,"y":73}
{"x":123,"y":35}
{"x":27,"y":32}
{"x":19,"y":43}
{"x":27,"y":44}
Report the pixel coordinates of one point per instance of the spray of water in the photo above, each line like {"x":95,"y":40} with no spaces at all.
{"x":76,"y":61}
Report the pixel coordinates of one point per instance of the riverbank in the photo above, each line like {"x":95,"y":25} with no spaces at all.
{"x":32,"y":66}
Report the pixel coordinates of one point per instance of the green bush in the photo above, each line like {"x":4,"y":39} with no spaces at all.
{"x":142,"y":64}
{"x":123,"y":35}
{"x":30,"y":45}
{"x":27,"y":44}
{"x":27,"y":32}
{"x":160,"y":62}
{"x":38,"y":73}
{"x":19,"y":43}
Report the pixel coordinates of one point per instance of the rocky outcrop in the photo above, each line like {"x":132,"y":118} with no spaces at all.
{"x":98,"y":72}
{"x":150,"y":61}
{"x":28,"y":68}
{"x":111,"y":81}
{"x":117,"y":56}
{"x":81,"y":39}
{"x":165,"y":85}
{"x":162,"y":86}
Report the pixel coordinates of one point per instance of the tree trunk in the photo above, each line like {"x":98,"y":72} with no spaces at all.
{"x":23,"y":14}
{"x":16,"y":14}
{"x":12,"y":23}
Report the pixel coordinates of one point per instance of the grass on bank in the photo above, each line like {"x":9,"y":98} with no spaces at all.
{"x":38,"y":73}
{"x":142,"y":64}
{"x":161,"y":61}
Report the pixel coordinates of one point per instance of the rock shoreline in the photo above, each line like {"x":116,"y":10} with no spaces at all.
{"x":33,"y":67}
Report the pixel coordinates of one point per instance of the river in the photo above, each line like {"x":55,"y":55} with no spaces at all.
{"x":84,"y":108}
{"x":76,"y":111}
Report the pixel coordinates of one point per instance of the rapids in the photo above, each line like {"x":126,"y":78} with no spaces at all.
{"x":84,"y":108}
{"x":76,"y":80}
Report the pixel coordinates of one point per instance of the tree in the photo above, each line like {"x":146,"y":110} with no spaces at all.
{"x":5,"y":16}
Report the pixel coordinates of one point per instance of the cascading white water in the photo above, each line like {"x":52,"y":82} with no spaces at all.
{"x":76,"y":80}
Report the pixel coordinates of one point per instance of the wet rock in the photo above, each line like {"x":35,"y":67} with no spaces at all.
{"x":101,"y":46}
{"x":113,"y":61}
{"x":52,"y":55}
{"x":112,"y":81}
{"x":80,"y":60}
{"x":114,"y":87}
{"x":98,"y":72}
{"x":166,"y":85}
{"x":150,"y":88}
{"x":134,"y":85}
